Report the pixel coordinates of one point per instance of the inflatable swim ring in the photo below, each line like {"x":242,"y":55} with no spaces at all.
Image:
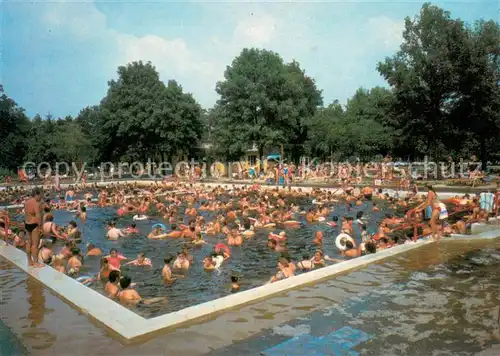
{"x":221,"y":246}
{"x":269,"y":226}
{"x":340,"y":238}
{"x":140,"y":217}
{"x":292,"y":223}
{"x":332,"y":223}
{"x":163,"y":227}
{"x":83,"y":278}
{"x":276,"y":237}
{"x":321,"y":218}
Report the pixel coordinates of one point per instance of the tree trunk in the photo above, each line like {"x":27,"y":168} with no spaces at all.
{"x":261,"y":158}
{"x":484,"y":154}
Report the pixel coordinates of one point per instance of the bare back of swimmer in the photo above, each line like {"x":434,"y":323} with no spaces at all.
{"x":33,"y":224}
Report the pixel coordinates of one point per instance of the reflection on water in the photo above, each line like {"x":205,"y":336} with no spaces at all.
{"x":36,"y":301}
{"x":437,"y":300}
{"x":37,"y":311}
{"x":447,"y":308}
{"x":439,"y":307}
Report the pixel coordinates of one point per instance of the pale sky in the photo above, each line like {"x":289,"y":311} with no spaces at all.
{"x":58,"y":56}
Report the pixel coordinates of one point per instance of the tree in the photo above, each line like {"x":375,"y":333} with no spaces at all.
{"x":477,"y":112}
{"x":360,"y":130}
{"x":369,"y":123}
{"x":323,"y":130}
{"x":263,"y":101}
{"x":141,"y":118}
{"x":181,"y":128}
{"x":424,"y":81}
{"x":306,"y":101}
{"x":88,"y":121}
{"x":14,"y":127}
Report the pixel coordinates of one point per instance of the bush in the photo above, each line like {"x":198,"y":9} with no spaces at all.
{"x":4,"y":173}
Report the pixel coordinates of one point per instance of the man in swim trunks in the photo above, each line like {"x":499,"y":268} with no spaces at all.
{"x":32,"y":224}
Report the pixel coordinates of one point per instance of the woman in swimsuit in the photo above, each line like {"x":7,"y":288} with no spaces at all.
{"x":284,"y":271}
{"x":431,"y":196}
{"x":45,"y":255}
{"x":50,"y":229}
{"x":4,"y":226}
{"x":306,"y":263}
{"x":434,"y":222}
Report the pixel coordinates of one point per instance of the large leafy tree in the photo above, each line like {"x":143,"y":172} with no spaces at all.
{"x":477,"y":112}
{"x":368,"y":123}
{"x":140,"y":117}
{"x":181,"y":128}
{"x":423,"y":76}
{"x":14,"y":127}
{"x":324,"y":130}
{"x":263,"y":101}
{"x":361,"y":129}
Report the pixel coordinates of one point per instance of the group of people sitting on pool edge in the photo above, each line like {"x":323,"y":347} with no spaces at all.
{"x":239,"y":213}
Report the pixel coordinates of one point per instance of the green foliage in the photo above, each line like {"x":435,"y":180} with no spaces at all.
{"x":140,"y":117}
{"x":363,"y":129}
{"x":443,"y":99}
{"x":445,"y":80}
{"x":263,"y":101}
{"x":14,"y":125}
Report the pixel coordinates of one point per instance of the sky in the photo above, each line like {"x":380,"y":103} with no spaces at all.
{"x":58,"y":56}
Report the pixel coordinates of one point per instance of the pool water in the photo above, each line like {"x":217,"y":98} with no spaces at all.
{"x":253,"y":261}
{"x":404,"y":304}
{"x":9,"y":343}
{"x":450,"y":308}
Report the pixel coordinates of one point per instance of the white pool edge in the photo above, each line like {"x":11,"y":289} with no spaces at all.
{"x":130,"y":325}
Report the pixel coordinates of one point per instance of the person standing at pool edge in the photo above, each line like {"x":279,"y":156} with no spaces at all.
{"x":32,"y":224}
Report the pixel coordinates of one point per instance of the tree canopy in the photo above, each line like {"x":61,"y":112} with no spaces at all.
{"x":445,"y":82}
{"x":442,"y":98}
{"x":263,"y":102}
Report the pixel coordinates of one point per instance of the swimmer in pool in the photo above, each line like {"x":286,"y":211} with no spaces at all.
{"x":45,"y":254}
{"x":73,"y":232}
{"x":305,"y":264}
{"x":141,"y":260}
{"x":181,"y":262}
{"x":114,"y":233}
{"x":92,"y":250}
{"x":112,"y":285}
{"x":74,"y":262}
{"x":128,"y":295}
{"x":166,"y":272}
{"x":49,"y":229}
{"x":235,"y":283}
{"x":284,"y":271}
{"x":318,"y":238}
{"x":115,"y":258}
{"x":105,"y":270}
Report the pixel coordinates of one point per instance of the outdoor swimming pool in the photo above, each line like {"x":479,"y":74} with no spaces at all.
{"x":438,"y":299}
{"x":253,"y":261}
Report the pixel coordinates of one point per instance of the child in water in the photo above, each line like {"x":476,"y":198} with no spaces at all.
{"x":235,"y":283}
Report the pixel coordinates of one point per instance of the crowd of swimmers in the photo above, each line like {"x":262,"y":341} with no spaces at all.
{"x":237,"y":214}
